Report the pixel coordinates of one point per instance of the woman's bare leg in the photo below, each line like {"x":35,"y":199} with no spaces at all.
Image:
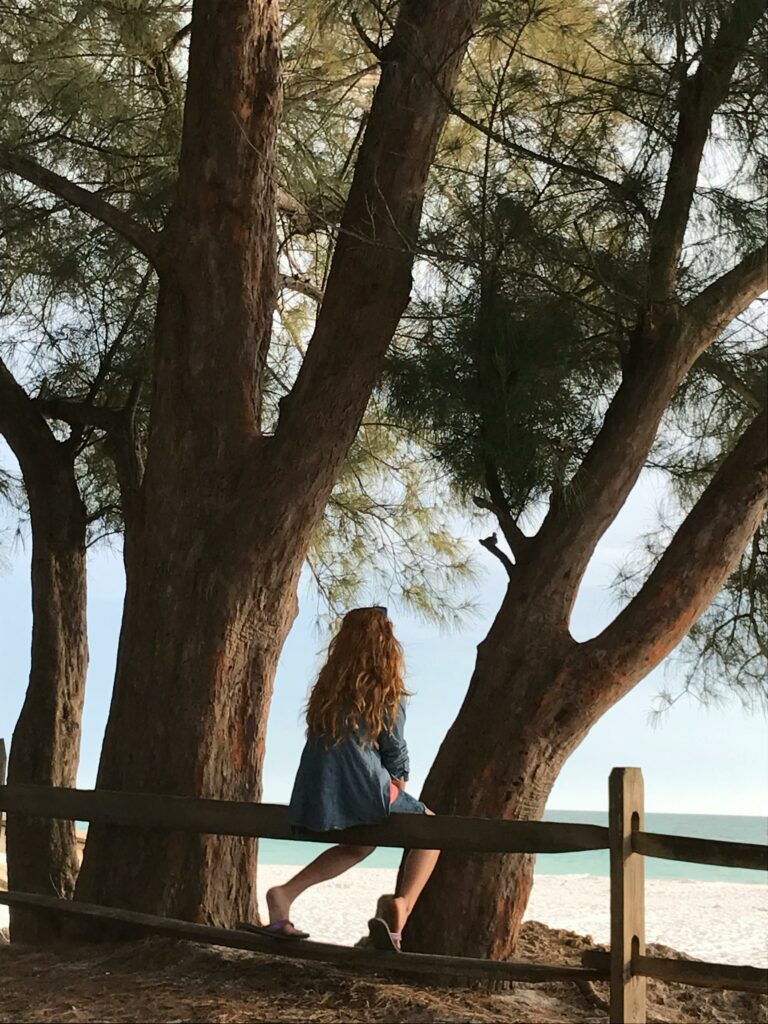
{"x":330,"y":864}
{"x":419,"y":865}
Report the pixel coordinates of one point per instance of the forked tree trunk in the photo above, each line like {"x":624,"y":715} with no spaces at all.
{"x":42,"y":852}
{"x":225,"y":515}
{"x":535,"y":694}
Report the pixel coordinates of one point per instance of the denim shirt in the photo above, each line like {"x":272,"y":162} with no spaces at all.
{"x":348,"y":784}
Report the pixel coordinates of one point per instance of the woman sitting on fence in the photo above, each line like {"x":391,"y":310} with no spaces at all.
{"x":354,"y":768}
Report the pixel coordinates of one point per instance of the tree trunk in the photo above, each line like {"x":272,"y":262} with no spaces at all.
{"x":225,"y":514}
{"x":535,"y":694}
{"x":198,"y":652}
{"x":513,"y":702}
{"x":42,"y":852}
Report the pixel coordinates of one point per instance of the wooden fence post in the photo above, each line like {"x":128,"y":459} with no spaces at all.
{"x":625,"y":815}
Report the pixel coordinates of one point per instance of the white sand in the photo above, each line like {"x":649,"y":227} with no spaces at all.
{"x":724,"y":922}
{"x":718,"y":921}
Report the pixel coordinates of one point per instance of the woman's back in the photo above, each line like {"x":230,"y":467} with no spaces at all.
{"x":345,"y":783}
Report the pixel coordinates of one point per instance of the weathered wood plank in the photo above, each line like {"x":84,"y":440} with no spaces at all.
{"x":599,"y":959}
{"x":701,"y":851}
{"x":702,"y":974}
{"x":270,"y":821}
{"x":347,"y":956}
{"x":625,"y":815}
{"x":687,"y":972}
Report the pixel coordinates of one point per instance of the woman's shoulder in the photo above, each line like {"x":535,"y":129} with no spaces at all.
{"x":394,"y":718}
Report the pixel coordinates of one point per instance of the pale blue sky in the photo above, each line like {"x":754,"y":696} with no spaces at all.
{"x":696,"y":760}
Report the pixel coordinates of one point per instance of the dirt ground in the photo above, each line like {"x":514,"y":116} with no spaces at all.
{"x":159,"y":980}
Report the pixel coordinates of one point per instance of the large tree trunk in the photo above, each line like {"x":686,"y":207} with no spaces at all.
{"x":42,"y":852}
{"x":225,"y":514}
{"x":197,"y":648}
{"x":535,"y":694}
{"x":198,"y":652}
{"x":522,"y":666}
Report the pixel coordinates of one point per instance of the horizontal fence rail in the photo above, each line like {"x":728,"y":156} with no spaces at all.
{"x":687,"y":972}
{"x":350,"y":956}
{"x":270,"y":821}
{"x":701,"y":851}
{"x":702,"y":974}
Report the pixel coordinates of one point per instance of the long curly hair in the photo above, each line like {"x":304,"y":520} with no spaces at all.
{"x":360,"y":686}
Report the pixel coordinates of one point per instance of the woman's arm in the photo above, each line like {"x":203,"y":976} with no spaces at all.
{"x":393,"y":749}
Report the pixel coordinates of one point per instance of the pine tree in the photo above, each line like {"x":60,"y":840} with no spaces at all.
{"x":565,"y":347}
{"x":228,"y":502}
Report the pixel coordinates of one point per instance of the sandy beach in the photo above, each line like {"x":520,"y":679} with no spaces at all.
{"x":717,"y":921}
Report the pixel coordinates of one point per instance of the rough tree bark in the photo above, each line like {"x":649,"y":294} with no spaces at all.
{"x":224,"y":514}
{"x":535,"y":692}
{"x":42,"y":853}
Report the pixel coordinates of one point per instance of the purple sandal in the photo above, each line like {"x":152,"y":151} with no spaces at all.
{"x":381,"y":936}
{"x":275,"y":930}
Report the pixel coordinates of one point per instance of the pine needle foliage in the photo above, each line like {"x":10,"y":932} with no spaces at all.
{"x":534,"y":278}
{"x":95,"y":92}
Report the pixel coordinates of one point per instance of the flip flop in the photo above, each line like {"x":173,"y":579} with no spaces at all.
{"x":382,"y":938}
{"x":275,"y":930}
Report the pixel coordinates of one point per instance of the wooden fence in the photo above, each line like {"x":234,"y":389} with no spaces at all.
{"x":625,"y":967}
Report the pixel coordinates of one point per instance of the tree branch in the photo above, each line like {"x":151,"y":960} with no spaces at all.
{"x":142,"y":237}
{"x":369,"y":43}
{"x":513,"y":535}
{"x":730,"y":380}
{"x":298,"y":284}
{"x":579,"y":516}
{"x":24,"y":428}
{"x":490,"y":544}
{"x":176,"y":39}
{"x":707,"y":315}
{"x":615,"y":188}
{"x":78,"y":414}
{"x":699,"y":98}
{"x":120,"y":439}
{"x":47,"y":465}
{"x":369,"y":281}
{"x":705,"y":550}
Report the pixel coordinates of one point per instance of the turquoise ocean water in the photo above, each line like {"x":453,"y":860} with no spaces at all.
{"x":592,"y":862}
{"x":738,"y":829}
